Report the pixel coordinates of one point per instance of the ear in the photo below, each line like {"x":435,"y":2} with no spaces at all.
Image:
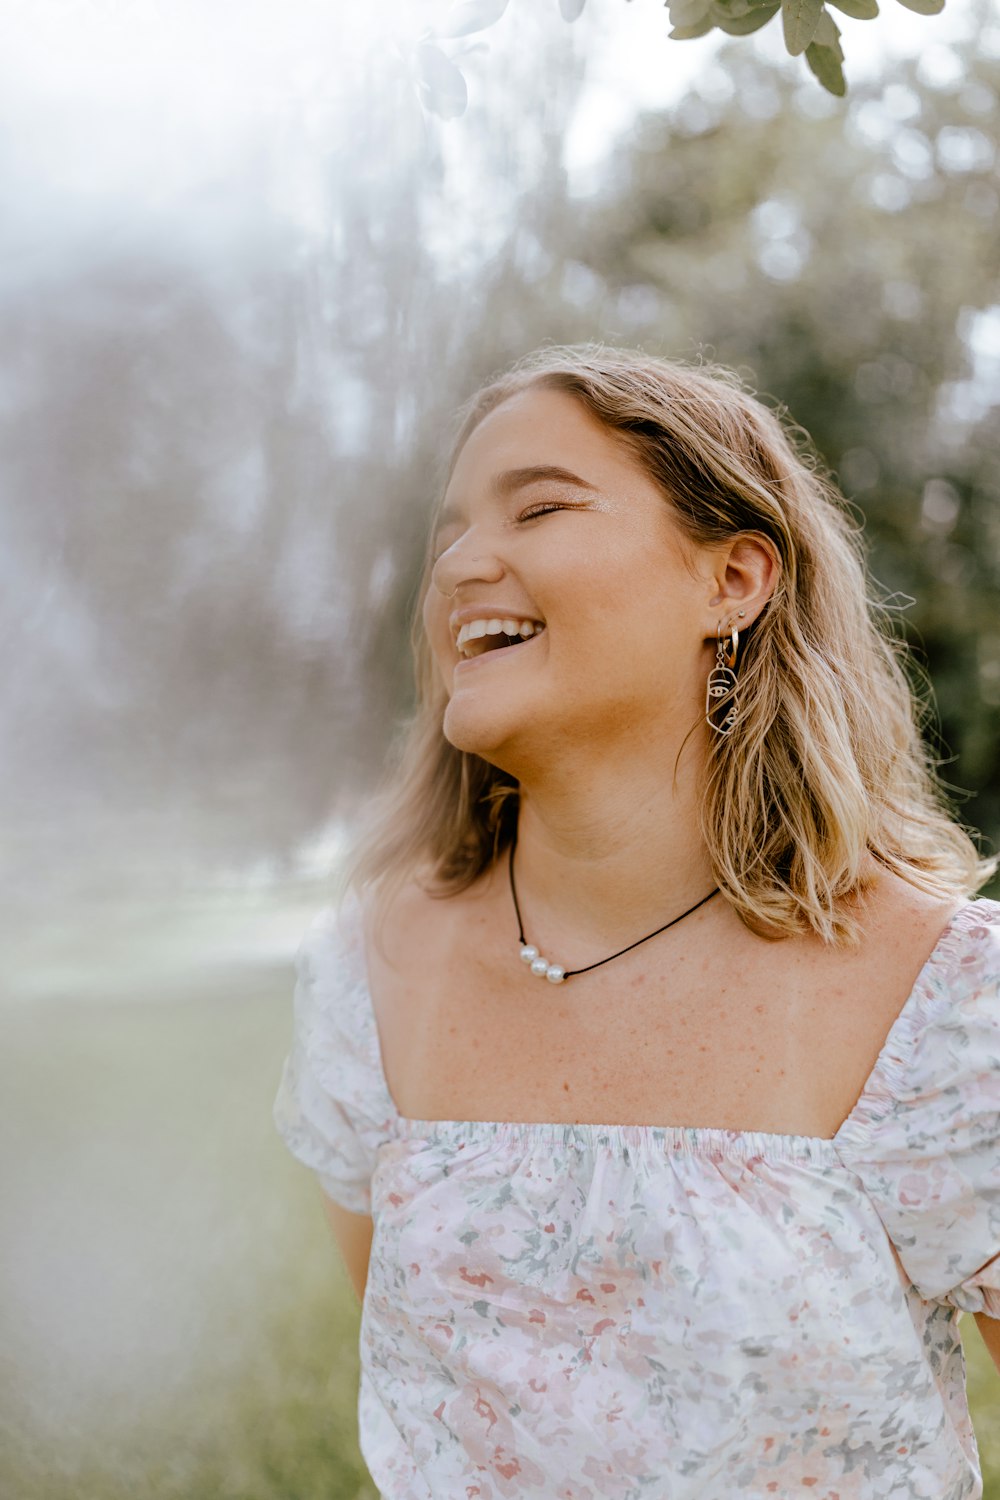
{"x":745,"y":574}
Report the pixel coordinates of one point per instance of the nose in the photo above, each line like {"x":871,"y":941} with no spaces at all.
{"x":467,"y":560}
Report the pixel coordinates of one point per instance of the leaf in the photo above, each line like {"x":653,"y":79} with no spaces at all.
{"x":825,"y":64}
{"x":729,"y":9}
{"x":441,"y":85}
{"x":924,"y":7}
{"x":752,"y":21}
{"x":571,"y":9}
{"x":688,"y":12}
{"x":470,"y":15}
{"x":800,"y":19}
{"x":688,"y":33}
{"x":828,"y":35}
{"x":861,"y":10}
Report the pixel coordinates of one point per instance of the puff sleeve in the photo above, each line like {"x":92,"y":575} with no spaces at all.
{"x":926,"y":1144}
{"x":332,"y":1109}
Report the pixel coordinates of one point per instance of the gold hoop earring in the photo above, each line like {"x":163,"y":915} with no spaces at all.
{"x":722,"y":684}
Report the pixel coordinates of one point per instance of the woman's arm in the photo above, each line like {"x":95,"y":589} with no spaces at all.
{"x":353,"y":1234}
{"x":990,"y":1330}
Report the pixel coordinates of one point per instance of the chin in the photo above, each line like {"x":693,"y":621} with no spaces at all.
{"x":479,"y":732}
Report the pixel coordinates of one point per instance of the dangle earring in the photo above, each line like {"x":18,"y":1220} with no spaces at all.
{"x":722,"y":678}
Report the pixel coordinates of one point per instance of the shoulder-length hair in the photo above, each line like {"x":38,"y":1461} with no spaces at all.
{"x":827,"y":766}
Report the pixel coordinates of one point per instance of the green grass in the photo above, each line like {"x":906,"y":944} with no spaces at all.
{"x":984,"y":1404}
{"x":175,"y":1320}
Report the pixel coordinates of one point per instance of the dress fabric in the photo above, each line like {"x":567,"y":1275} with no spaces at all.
{"x":607,"y":1312}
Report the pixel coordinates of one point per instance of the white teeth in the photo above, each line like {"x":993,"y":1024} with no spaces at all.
{"x":475,"y":629}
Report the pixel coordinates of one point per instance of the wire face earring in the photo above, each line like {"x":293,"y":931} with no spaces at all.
{"x":722,"y":683}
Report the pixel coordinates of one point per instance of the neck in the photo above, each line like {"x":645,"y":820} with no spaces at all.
{"x":604,"y":857}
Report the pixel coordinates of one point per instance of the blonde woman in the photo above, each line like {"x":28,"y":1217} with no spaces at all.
{"x":651,"y":1067}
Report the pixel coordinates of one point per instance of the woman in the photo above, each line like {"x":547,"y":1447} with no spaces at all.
{"x":658,"y":1041}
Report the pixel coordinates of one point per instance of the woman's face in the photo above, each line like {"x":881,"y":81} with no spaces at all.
{"x":548,"y":519}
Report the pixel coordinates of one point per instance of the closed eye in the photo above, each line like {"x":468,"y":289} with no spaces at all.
{"x":526,"y":515}
{"x":540,"y":510}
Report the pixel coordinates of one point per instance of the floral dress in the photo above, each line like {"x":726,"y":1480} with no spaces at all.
{"x":635,"y":1312}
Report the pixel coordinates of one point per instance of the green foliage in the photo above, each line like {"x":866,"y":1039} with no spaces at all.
{"x":799,"y":19}
{"x":807,"y":26}
{"x":861,"y":10}
{"x":741,"y":17}
{"x":826,"y":66}
{"x":825,"y":55}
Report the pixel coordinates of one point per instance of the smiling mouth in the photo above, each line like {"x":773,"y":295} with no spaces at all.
{"x":479,"y":635}
{"x":495,"y":653}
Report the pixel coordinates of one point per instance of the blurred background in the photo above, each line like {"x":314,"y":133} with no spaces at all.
{"x":247,"y":270}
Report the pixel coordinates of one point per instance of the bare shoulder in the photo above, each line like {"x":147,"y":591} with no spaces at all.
{"x":837,"y":1004}
{"x":390,"y":915}
{"x":903,"y":923}
{"x":408,"y":930}
{"x":405,"y":924}
{"x":904,"y":916}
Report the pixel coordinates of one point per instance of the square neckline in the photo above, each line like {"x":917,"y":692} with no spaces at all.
{"x":695,"y":1137}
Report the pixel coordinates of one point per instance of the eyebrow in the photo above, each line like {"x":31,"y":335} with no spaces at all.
{"x":511,"y":480}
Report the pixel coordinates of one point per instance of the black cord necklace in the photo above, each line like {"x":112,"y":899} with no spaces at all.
{"x":555,"y":973}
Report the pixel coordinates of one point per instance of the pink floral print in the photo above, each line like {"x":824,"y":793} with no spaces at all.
{"x":599,"y":1312}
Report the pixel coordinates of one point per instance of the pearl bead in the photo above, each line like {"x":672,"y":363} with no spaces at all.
{"x":529,"y":953}
{"x":555,"y":974}
{"x":540,"y":966}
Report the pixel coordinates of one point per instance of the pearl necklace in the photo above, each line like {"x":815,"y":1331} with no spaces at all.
{"x":555,"y":973}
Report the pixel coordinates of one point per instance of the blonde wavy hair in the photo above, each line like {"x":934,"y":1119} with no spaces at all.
{"x":827,"y":765}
